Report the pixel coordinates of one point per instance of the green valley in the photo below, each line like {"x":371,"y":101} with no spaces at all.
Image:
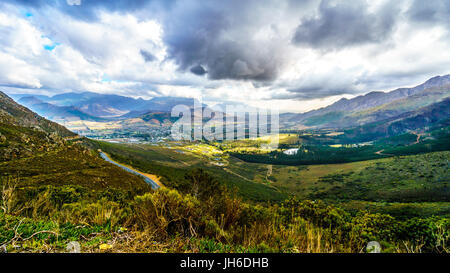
{"x":320,"y":191}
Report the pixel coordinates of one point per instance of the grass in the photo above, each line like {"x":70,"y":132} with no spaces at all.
{"x":419,"y":180}
{"x":399,"y":210}
{"x":171,"y":166}
{"x":304,"y":180}
{"x":71,"y":166}
{"x":168,"y":221}
{"x":22,"y":234}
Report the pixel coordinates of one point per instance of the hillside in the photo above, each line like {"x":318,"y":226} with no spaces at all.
{"x":24,"y":133}
{"x":372,"y":107}
{"x":159,"y":118}
{"x":436,"y":115}
{"x":16,"y":114}
{"x":40,"y":152}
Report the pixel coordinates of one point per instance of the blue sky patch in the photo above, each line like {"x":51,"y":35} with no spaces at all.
{"x":26,"y":14}
{"x":51,"y":47}
{"x":105,"y":78}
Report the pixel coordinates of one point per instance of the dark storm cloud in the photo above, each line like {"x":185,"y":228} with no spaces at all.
{"x":346,"y":23}
{"x":432,"y":11}
{"x":148,"y":57}
{"x":219,"y":35}
{"x":198,"y":70}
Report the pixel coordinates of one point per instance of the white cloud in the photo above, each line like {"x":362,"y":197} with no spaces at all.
{"x":83,"y":53}
{"x":73,"y":2}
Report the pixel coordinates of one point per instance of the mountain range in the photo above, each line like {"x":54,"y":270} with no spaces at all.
{"x":373,"y":110}
{"x":96,"y":107}
{"x":372,"y":107}
{"x":55,"y":112}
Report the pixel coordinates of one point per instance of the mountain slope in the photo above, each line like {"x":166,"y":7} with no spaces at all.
{"x":54,"y":112}
{"x":436,"y":115}
{"x":374,"y":106}
{"x":18,"y":115}
{"x":160,"y":118}
{"x":24,"y":133}
{"x":39,"y":152}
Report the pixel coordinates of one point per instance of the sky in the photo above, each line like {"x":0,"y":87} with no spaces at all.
{"x":293,"y":55}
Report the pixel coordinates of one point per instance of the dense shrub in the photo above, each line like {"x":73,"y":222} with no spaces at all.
{"x":167,"y":212}
{"x":374,"y":227}
{"x":433,"y":233}
{"x":210,"y":218}
{"x":65,"y":194}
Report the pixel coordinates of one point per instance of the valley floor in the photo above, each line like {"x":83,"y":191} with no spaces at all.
{"x":71,"y":194}
{"x":416,"y":185}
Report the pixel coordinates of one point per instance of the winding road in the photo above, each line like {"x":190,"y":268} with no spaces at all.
{"x":154,"y":184}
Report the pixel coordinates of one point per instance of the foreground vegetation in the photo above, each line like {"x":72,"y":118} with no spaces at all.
{"x":205,"y":217}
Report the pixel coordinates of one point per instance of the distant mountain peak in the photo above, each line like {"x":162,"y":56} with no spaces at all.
{"x":30,"y":100}
{"x":374,"y":103}
{"x":435,"y":81}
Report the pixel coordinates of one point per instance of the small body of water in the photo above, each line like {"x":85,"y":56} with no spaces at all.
{"x":148,"y":180}
{"x":291,"y":151}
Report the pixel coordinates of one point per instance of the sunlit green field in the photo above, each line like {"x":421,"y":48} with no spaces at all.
{"x":413,"y":185}
{"x":170,"y":161}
